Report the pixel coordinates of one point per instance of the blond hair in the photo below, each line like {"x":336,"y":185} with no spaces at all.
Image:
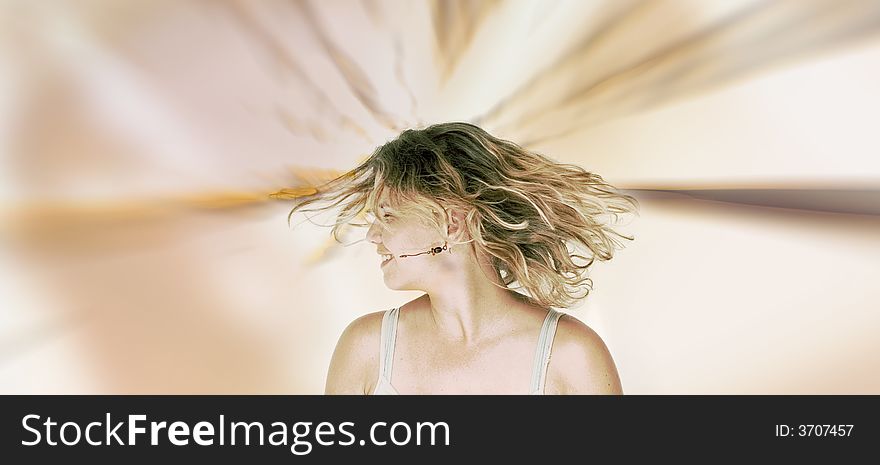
{"x":521,"y":208}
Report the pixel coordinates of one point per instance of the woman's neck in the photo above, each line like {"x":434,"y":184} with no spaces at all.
{"x":469,"y":308}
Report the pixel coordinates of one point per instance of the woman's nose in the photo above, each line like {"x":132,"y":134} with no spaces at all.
{"x":373,"y":234}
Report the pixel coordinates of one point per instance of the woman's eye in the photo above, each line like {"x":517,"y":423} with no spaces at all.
{"x":371,"y":217}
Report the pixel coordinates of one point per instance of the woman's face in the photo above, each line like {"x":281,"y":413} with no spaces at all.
{"x":406,"y":235}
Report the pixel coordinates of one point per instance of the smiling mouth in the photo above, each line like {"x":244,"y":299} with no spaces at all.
{"x":386,"y":258}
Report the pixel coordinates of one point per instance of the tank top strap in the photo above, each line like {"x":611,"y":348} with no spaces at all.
{"x":542,"y":352}
{"x":388,"y":338}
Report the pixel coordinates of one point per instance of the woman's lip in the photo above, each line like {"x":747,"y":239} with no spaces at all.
{"x":384,"y":262}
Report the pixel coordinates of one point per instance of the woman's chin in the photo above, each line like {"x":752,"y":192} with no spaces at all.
{"x":395,"y":285}
{"x":390,"y":282}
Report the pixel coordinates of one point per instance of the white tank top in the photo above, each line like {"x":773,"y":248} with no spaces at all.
{"x":389,"y":337}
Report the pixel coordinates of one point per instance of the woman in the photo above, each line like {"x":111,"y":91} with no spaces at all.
{"x":463,"y":216}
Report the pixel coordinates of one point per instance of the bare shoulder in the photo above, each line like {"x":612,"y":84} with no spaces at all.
{"x":580,"y":361}
{"x":356,"y":355}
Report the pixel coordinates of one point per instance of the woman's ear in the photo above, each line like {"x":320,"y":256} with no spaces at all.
{"x":456,"y":230}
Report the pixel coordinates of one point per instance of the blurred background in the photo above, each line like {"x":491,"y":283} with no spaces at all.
{"x":142,"y":250}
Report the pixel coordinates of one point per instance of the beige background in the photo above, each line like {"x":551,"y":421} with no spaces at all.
{"x":140,"y":251}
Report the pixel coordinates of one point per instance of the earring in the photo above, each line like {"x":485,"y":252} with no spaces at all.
{"x":437,"y":250}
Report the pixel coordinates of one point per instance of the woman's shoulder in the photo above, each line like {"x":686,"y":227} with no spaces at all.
{"x":581,"y":362}
{"x":573,"y":335}
{"x":362,"y":332}
{"x":367,"y":328}
{"x":356,"y":354}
